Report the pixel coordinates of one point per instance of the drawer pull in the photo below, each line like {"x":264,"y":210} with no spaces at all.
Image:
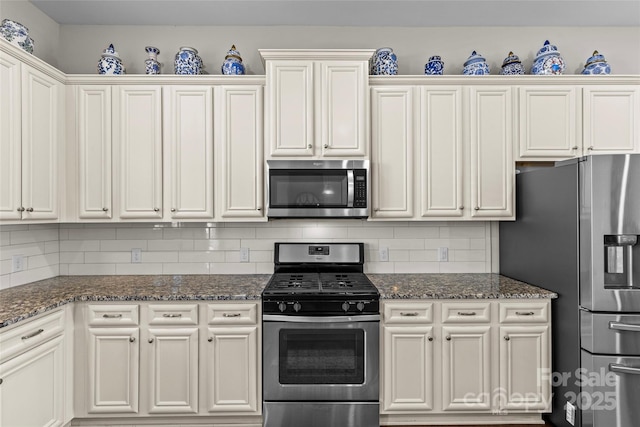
{"x":231,"y":315}
{"x":172,"y":315}
{"x":614,"y":367}
{"x":525,"y":313}
{"x":33,"y":334}
{"x":410,"y":314}
{"x":112,"y":316}
{"x":624,"y":327}
{"x":466,"y":313}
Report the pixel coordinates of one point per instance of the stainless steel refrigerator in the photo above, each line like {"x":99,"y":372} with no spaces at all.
{"x":577,"y":232}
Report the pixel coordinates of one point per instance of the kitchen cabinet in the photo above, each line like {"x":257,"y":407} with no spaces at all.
{"x":33,"y":380}
{"x":317,"y":102}
{"x":239,"y":153}
{"x":31,"y":137}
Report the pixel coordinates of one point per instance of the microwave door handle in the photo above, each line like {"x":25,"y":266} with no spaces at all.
{"x":350,"y":188}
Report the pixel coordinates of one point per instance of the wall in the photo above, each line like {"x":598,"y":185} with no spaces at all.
{"x":84,"y":44}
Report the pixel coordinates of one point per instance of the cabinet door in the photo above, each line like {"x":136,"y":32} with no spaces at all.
{"x":611,"y":120}
{"x":94,"y":151}
{"x":549,"y":122}
{"x":138,"y":151}
{"x":240,"y":153}
{"x":525,"y":368}
{"x":441,"y":152}
{"x":10,"y":139}
{"x":492,"y":165}
{"x":290,"y":113}
{"x":343,"y":108}
{"x":173,"y":370}
{"x":32,"y":387}
{"x":189,"y":151}
{"x":392,"y":152}
{"x":42,"y":125}
{"x":407,"y":375}
{"x":466,"y":368}
{"x":232,"y":370}
{"x":113,"y":370}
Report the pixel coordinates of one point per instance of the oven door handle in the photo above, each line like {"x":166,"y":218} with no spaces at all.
{"x":624,"y":327}
{"x":621,"y":369}
{"x":321,"y":319}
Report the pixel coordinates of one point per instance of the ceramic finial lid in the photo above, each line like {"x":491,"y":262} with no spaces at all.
{"x":473,"y":58}
{"x":110,"y":51}
{"x":512,"y":58}
{"x":233,"y":53}
{"x":596,"y":57}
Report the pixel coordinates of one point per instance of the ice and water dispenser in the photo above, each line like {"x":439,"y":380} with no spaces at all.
{"x":621,"y":261}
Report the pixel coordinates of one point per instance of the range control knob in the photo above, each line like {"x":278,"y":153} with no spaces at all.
{"x":360,"y":306}
{"x":297,"y":306}
{"x":345,"y":306}
{"x":282,"y":307}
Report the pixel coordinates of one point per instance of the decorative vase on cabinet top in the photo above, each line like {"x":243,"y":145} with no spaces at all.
{"x":475,"y":65}
{"x":511,"y":65}
{"x":187,"y":61}
{"x":384,"y":62}
{"x":16,"y":34}
{"x":110,"y":63}
{"x":232,"y":64}
{"x":548,"y":61}
{"x":151,"y":65}
{"x":596,"y":64}
{"x":434,"y":66}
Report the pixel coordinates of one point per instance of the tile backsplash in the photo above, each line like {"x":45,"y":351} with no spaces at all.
{"x":214,"y":248}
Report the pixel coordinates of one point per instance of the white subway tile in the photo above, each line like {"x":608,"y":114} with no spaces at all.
{"x":43,"y":226}
{"x":460,"y":255}
{"x":201,"y":256}
{"x":185,"y":233}
{"x":92,"y":269}
{"x":416,"y":232}
{"x":370,"y":232}
{"x":50,"y":247}
{"x":186,"y":268}
{"x":5,"y":281}
{"x":232,"y":233}
{"x":423,"y":256}
{"x":378,"y":267}
{"x":322,"y":232}
{"x":410,"y":244}
{"x":416,"y":267}
{"x":6,"y":265}
{"x":107,"y":257}
{"x":28,"y":249}
{"x":279,"y":233}
{"x":5,"y":238}
{"x":79,"y":245}
{"x":447,"y":243}
{"x":92,"y":233}
{"x":33,"y":275}
{"x":399,"y":255}
{"x":159,"y":256}
{"x":124,"y":245}
{"x":64,"y":269}
{"x":216,"y":245}
{"x":149,"y":233}
{"x":39,"y":261}
{"x":232,"y":268}
{"x":139,"y":268}
{"x":171,"y":245}
{"x":71,"y":257}
{"x":264,"y":268}
{"x":63,"y":233}
{"x":476,"y":244}
{"x":261,"y":256}
{"x":258,"y":244}
{"x":14,"y":227}
{"x":463,"y":267}
{"x":463,"y":232}
{"x":31,"y":236}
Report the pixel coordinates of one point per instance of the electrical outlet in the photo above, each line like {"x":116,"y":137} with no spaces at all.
{"x":570,"y":413}
{"x":244,"y":254}
{"x":17,"y":263}
{"x":384,"y":254}
{"x":443,"y":254}
{"x":136,"y":255}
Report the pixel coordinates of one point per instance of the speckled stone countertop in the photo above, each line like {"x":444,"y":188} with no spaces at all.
{"x":22,"y":302}
{"x":454,"y":286}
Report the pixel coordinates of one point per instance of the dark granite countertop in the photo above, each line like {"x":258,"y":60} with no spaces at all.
{"x":22,"y":302}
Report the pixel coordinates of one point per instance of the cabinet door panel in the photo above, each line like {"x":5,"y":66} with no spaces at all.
{"x":392,"y":152}
{"x":441,"y":152}
{"x":138,"y":151}
{"x":94,"y":151}
{"x":173,"y":370}
{"x":10,"y":139}
{"x":189,"y":154}
{"x":42,"y":105}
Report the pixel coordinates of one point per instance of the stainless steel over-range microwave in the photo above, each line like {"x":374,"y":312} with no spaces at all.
{"x":317,"y":188}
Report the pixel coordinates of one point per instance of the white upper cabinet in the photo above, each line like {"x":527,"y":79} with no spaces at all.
{"x":10,"y":139}
{"x":317,"y":102}
{"x":611,"y":119}
{"x":188,"y":154}
{"x":239,"y":153}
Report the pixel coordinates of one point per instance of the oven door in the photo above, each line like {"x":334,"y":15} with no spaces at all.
{"x":321,"y":358}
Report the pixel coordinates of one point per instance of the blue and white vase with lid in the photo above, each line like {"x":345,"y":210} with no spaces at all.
{"x":475,"y":65}
{"x":511,"y":65}
{"x":232,"y":64}
{"x":548,"y":61}
{"x":434,"y":66}
{"x":16,"y":34}
{"x":384,"y":62}
{"x":110,"y":62}
{"x":187,"y":61}
{"x":596,"y":64}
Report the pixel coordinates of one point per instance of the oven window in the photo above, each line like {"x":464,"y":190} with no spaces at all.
{"x":304,"y":188}
{"x":321,"y":356}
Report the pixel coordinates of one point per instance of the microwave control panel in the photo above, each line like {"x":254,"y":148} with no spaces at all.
{"x":360,"y":188}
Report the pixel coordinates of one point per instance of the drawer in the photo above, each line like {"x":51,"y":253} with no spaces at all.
{"x":30,"y":333}
{"x":232,"y":314}
{"x":173,"y":314}
{"x":524,"y":312}
{"x":466,"y":312}
{"x":407,"y":312}
{"x":113,"y":315}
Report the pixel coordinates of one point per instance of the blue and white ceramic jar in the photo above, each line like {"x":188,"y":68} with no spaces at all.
{"x":232,"y":64}
{"x":548,"y":61}
{"x":475,"y":65}
{"x":110,"y":63}
{"x":511,"y":65}
{"x":16,"y":34}
{"x":187,"y":61}
{"x":384,"y":62}
{"x":434,"y":66}
{"x":151,"y":65}
{"x":596,"y":64}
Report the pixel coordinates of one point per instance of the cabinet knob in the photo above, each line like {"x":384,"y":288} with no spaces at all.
{"x":326,"y":145}
{"x":590,"y":148}
{"x":132,"y":339}
{"x":477,"y":208}
{"x":259,"y":209}
{"x":150,"y":340}
{"x":461,"y":208}
{"x":0,"y":380}
{"x":430,"y":338}
{"x":507,"y":338}
{"x":448,"y":338}
{"x":376,"y":209}
{"x":309,"y":146}
{"x":575,"y":147}
{"x":105,"y":209}
{"x":29,"y":209}
{"x":173,"y":209}
{"x":156,"y":209}
{"x":21,"y":209}
{"x":210,"y":339}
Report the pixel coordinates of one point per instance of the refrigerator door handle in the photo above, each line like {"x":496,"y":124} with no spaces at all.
{"x":624,"y":327}
{"x":621,"y":369}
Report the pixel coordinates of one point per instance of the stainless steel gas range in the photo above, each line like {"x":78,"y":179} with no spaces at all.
{"x":321,"y":338}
